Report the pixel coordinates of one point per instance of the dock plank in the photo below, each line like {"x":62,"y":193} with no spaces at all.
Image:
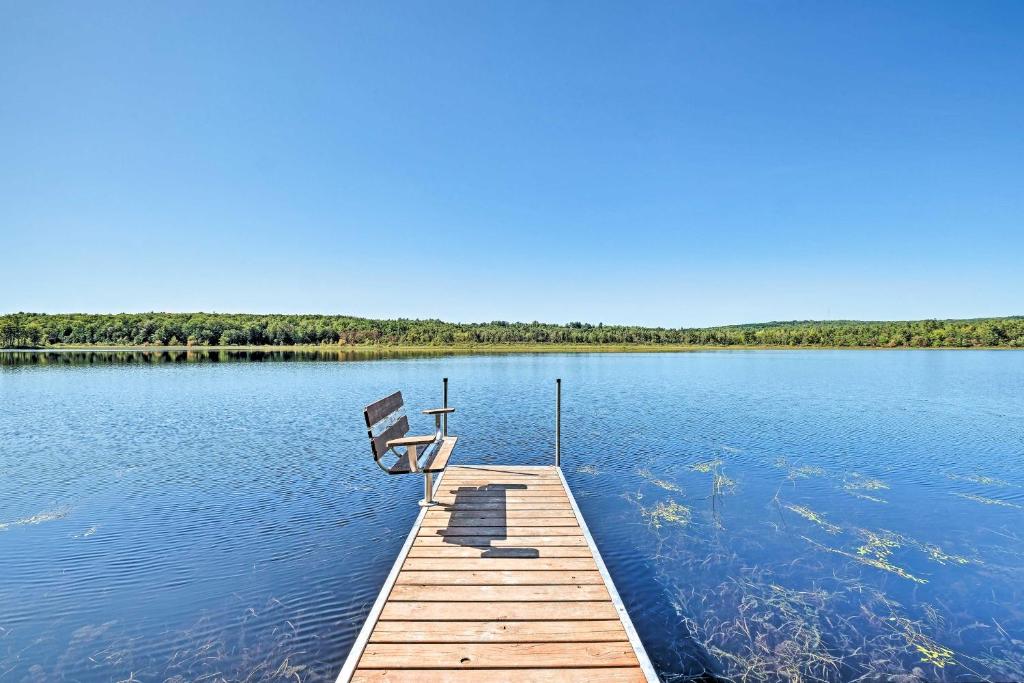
{"x":608,"y":630}
{"x":498,"y":611}
{"x":498,"y":578}
{"x":492,"y":655}
{"x":499,"y":581}
{"x":476,"y":564}
{"x":508,"y":593}
{"x":432,"y":551}
{"x":606,"y":675}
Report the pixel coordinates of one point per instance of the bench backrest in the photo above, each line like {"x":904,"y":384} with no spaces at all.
{"x":387,"y":418}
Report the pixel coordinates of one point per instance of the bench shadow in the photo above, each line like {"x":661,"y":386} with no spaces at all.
{"x":472,"y":503}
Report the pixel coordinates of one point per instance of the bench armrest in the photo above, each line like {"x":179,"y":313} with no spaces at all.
{"x":438,"y":411}
{"x":412,"y":441}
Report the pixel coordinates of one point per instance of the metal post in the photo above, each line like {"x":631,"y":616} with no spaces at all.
{"x":558,"y":422}
{"x":444,"y":404}
{"x":428,"y":490}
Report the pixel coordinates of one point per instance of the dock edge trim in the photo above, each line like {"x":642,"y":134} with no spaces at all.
{"x":627,"y":623}
{"x":348,"y":669}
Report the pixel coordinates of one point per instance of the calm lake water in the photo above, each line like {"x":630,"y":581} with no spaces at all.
{"x":764,"y":514}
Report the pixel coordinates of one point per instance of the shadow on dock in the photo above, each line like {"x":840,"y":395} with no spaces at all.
{"x":485,"y":510}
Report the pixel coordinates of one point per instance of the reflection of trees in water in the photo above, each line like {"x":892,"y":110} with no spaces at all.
{"x":201,"y":355}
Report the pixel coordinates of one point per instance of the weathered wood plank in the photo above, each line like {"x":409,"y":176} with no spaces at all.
{"x":461,"y":474}
{"x":494,"y":542}
{"x":379,"y":443}
{"x":503,"y":483}
{"x":501,"y":505}
{"x":476,"y":492}
{"x":543,"y":501}
{"x":498,"y":513}
{"x":490,"y":655}
{"x":501,"y":531}
{"x":468,"y":519}
{"x":607,"y":675}
{"x":499,"y":563}
{"x":378,"y":410}
{"x":441,"y":551}
{"x":608,"y":630}
{"x":498,"y":577}
{"x":458,"y":511}
{"x":494,"y":594}
{"x":497,"y":611}
{"x":506,"y":469}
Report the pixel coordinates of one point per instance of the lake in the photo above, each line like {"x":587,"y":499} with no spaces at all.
{"x":765,"y":514}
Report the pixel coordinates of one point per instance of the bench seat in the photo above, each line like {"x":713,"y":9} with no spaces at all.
{"x":435,"y":463}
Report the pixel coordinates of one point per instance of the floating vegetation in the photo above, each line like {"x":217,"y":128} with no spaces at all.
{"x":706,"y":467}
{"x":806,"y":471}
{"x":930,"y":651}
{"x":979,"y":479}
{"x":588,"y":469}
{"x":661,"y":483}
{"x":862,"y":483}
{"x":799,"y":471}
{"x":813,"y":516}
{"x":937,"y":554}
{"x":864,"y":496}
{"x":668,"y":513}
{"x":988,"y":501}
{"x":38,"y":519}
{"x":878,"y":545}
{"x":876,"y":556}
{"x":721,"y":483}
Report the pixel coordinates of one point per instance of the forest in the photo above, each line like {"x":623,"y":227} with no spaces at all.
{"x":39,"y":330}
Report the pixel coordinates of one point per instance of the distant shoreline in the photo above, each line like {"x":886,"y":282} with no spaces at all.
{"x":494,"y":348}
{"x":240,"y":331}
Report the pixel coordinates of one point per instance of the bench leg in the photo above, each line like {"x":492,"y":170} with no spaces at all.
{"x":428,"y":490}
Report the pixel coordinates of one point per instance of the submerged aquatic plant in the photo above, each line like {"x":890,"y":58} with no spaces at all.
{"x":660,"y":483}
{"x":38,"y":518}
{"x":815,"y":517}
{"x":706,"y":466}
{"x":668,"y":513}
{"x":876,"y":556}
{"x":937,"y":554}
{"x":864,"y":496}
{"x":760,"y":629}
{"x":862,"y":483}
{"x":979,"y":479}
{"x":721,"y":483}
{"x":930,"y":651}
{"x":798,"y":471}
{"x":988,"y":501}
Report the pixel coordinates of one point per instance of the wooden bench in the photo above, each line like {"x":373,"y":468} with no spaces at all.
{"x":388,"y":428}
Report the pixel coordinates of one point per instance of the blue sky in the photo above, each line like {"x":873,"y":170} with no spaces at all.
{"x":684,"y":163}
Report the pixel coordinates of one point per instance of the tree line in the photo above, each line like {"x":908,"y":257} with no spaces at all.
{"x":21,"y":330}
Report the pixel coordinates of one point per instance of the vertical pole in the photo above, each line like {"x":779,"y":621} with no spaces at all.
{"x":558,"y":422}
{"x":428,"y":490}
{"x":444,"y":404}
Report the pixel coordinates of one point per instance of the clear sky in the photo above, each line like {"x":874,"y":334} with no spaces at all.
{"x":683,"y":163}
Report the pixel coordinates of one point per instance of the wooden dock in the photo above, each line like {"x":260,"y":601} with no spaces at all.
{"x":500,"y":581}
